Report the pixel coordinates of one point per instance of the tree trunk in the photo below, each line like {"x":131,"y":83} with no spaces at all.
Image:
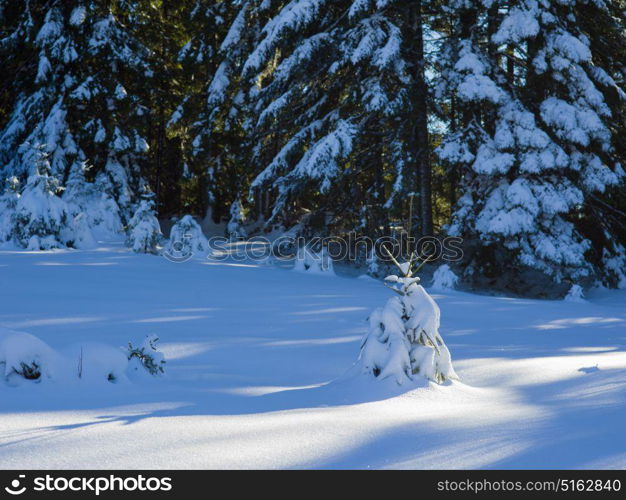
{"x":418,"y":138}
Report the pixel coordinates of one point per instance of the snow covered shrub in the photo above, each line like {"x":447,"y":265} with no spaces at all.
{"x":25,"y":356}
{"x":373,"y":266}
{"x":147,"y":355}
{"x":235,"y":227}
{"x":444,"y":278}
{"x":187,"y":238}
{"x":78,"y":234}
{"x":101,"y":212}
{"x":312,"y":262}
{"x":144,"y":231}
{"x":403,"y":340}
{"x":40,"y":215}
{"x":615,"y":264}
{"x":575,"y":294}
{"x":8,"y":201}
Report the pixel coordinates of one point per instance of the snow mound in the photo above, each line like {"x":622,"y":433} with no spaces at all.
{"x":96,"y":362}
{"x":444,"y":278}
{"x":24,"y":355}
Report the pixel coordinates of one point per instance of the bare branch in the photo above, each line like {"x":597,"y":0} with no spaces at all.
{"x":393,"y":259}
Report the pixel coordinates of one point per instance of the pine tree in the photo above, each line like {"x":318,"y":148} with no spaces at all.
{"x":215,"y":118}
{"x":8,"y":203}
{"x":109,"y":97}
{"x":187,"y":239}
{"x":235,"y":227}
{"x":194,"y":119}
{"x":533,"y":145}
{"x":403,"y":341}
{"x":159,"y":25}
{"x":40,"y":214}
{"x":144,"y":231}
{"x":330,"y":82}
{"x":78,"y":64}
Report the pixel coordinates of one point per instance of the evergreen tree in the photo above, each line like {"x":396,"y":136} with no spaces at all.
{"x":216,"y":118}
{"x":235,"y":227}
{"x":533,"y":144}
{"x":159,"y":25}
{"x":330,"y":81}
{"x":403,"y":340}
{"x":187,"y":239}
{"x":8,"y":203}
{"x":320,"y":116}
{"x":144,"y":231}
{"x":78,"y":64}
{"x":40,"y":214}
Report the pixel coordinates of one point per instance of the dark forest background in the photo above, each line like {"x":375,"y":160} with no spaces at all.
{"x":498,"y":121}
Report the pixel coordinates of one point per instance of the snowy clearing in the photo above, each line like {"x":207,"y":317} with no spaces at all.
{"x":250,"y":348}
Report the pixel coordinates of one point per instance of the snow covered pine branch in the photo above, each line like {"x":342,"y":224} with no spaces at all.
{"x":403,"y":340}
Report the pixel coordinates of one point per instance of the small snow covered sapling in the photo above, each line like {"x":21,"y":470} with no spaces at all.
{"x":40,"y":214}
{"x":575,"y":294}
{"x":235,"y":227}
{"x":373,"y":266}
{"x":187,"y":238}
{"x":148,"y":355}
{"x":444,"y":278}
{"x":144,"y":231}
{"x":8,"y":201}
{"x":403,"y":340}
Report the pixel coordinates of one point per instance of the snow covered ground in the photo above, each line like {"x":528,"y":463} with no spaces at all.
{"x":249,"y":349}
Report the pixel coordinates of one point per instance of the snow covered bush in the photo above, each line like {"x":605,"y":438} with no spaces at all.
{"x":23,"y":355}
{"x":313,"y":262}
{"x":101,"y":212}
{"x":147,"y":356}
{"x":235,"y":227}
{"x":78,"y":233}
{"x":144,"y":231}
{"x":8,"y":202}
{"x":575,"y":294}
{"x":444,"y":278}
{"x":26,"y":357}
{"x":615,"y":264}
{"x":40,"y":215}
{"x":403,"y":340}
{"x":187,"y":238}
{"x":373,"y":265}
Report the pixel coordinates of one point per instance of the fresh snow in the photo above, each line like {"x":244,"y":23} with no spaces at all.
{"x":251,"y":350}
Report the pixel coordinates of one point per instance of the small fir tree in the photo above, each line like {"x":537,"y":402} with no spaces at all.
{"x":144,"y":230}
{"x":403,"y":341}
